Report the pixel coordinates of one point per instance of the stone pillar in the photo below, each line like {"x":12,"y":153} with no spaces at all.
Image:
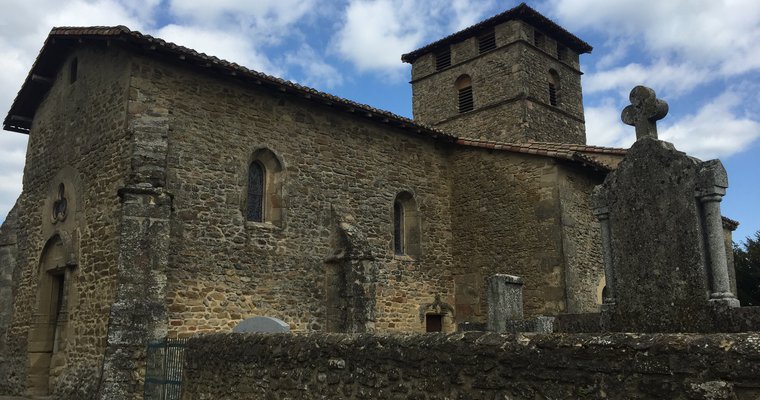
{"x":505,"y":301}
{"x":602,"y":212}
{"x":713,"y":182}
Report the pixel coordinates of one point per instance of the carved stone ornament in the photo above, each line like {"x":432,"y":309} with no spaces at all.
{"x":644,"y":112}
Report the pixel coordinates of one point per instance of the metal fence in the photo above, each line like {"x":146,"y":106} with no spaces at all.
{"x":163,"y":369}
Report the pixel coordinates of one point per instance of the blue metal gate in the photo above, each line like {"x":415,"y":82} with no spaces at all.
{"x":163,"y":369}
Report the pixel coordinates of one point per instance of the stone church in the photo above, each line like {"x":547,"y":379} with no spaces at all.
{"x":168,"y":192}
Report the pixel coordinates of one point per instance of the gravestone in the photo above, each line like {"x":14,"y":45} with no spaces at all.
{"x":261,"y":325}
{"x":664,"y":254}
{"x":505,"y":301}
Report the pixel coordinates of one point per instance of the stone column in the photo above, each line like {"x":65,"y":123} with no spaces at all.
{"x":712,"y":188}
{"x":602,"y":213}
{"x":505,"y":301}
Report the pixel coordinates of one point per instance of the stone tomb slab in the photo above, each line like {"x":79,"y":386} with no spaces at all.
{"x":261,"y":325}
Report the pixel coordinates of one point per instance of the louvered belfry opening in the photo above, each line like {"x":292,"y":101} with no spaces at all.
{"x":443,"y":59}
{"x":487,"y":41}
{"x":465,"y":100}
{"x":463,"y":85}
{"x":553,"y":87}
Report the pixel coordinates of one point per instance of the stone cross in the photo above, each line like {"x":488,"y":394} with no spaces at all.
{"x":644,"y":112}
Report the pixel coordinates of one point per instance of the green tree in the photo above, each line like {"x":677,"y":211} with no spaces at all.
{"x":747,"y":263}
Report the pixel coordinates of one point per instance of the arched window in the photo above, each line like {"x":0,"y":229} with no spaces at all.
{"x":553,"y":87}
{"x":463,"y":85}
{"x":255,"y":207}
{"x":264,"y":200}
{"x":406,"y":226}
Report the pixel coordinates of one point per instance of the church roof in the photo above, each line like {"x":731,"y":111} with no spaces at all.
{"x":580,"y":153}
{"x":522,"y":12}
{"x":61,"y":41}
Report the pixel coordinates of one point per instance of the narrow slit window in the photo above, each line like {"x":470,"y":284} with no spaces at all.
{"x":255,"y":192}
{"x":73,"y":70}
{"x":443,"y":59}
{"x":487,"y":42}
{"x":398,"y":228}
{"x":553,"y":87}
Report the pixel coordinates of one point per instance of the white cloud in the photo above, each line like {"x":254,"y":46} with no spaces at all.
{"x":715,"y":130}
{"x":375,"y":33}
{"x":264,"y":21}
{"x":229,"y":46}
{"x":316,"y":72}
{"x":723,"y":35}
{"x":674,"y":79}
{"x":604,"y":127}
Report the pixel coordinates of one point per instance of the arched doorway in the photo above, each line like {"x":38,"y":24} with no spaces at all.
{"x":48,"y":330}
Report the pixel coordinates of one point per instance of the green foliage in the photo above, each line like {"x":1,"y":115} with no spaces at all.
{"x":747,"y":262}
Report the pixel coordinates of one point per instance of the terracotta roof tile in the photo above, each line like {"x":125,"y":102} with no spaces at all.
{"x":571,"y":152}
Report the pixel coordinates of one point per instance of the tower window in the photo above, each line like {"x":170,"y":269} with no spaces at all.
{"x":487,"y":42}
{"x":464,"y":90}
{"x":539,"y":39}
{"x":443,"y":59}
{"x":406,"y":226}
{"x":73,"y":70}
{"x":553,"y":87}
{"x":561,"y":52}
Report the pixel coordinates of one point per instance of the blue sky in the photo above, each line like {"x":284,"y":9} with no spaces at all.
{"x":702,"y":57}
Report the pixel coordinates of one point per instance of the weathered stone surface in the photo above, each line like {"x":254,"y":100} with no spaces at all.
{"x":261,"y":325}
{"x":78,"y":137}
{"x":505,"y":301}
{"x":510,"y":90}
{"x":660,"y":244}
{"x":8,"y":269}
{"x":473,"y":365}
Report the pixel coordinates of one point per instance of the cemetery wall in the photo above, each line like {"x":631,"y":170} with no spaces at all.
{"x":473,"y":365}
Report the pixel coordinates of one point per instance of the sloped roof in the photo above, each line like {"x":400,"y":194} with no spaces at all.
{"x":61,"y":41}
{"x":522,"y":12}
{"x":572,"y":152}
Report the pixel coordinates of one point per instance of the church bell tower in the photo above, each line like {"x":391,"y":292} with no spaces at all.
{"x":512,"y":78}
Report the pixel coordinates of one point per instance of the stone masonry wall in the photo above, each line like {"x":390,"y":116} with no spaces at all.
{"x":78,"y":136}
{"x":223,"y":268}
{"x":581,"y":240}
{"x":506,"y":220}
{"x":473,"y":365}
{"x":8,"y":255}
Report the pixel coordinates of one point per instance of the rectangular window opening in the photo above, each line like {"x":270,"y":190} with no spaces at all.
{"x":538,"y":39}
{"x":561,"y":52}
{"x":443,"y":59}
{"x":487,"y":42}
{"x":434,"y":323}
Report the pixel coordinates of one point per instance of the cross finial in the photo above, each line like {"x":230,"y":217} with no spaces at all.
{"x":644,"y":112}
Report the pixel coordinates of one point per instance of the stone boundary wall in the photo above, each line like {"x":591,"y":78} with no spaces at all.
{"x":473,"y":365}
